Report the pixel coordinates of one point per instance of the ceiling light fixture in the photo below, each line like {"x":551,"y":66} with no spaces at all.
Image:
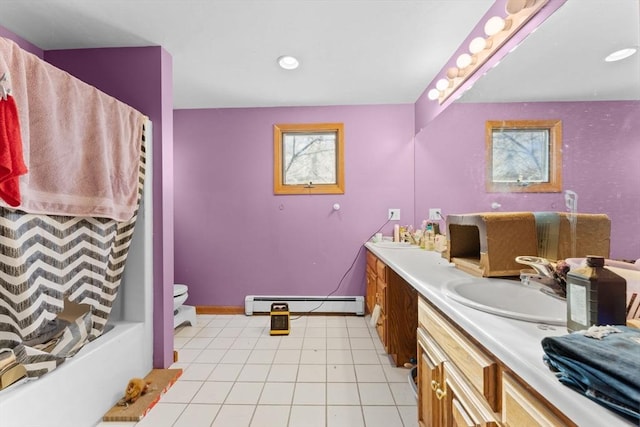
{"x":621,"y":54}
{"x":442,"y":84}
{"x":288,"y":62}
{"x":433,"y":94}
{"x":477,"y":45}
{"x":494,"y":25}
{"x":464,"y":60}
{"x":498,"y":31}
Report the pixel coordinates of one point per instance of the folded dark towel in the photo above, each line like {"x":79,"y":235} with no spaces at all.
{"x":606,"y":369}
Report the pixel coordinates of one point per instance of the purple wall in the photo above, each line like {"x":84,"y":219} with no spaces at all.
{"x":234,"y":237}
{"x":601,"y":162}
{"x":142,"y":77}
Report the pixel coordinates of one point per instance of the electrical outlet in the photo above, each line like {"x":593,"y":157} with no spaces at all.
{"x":394,"y":214}
{"x":435,"y":214}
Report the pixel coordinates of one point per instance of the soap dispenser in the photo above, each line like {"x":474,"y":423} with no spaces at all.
{"x":595,"y":296}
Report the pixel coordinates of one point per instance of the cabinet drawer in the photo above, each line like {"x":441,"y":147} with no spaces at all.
{"x":371,"y":260}
{"x":521,"y":408}
{"x":381,"y":271}
{"x":479,"y":368}
{"x":465,"y":406}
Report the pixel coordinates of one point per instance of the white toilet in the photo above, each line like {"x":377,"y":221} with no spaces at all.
{"x":182,"y":313}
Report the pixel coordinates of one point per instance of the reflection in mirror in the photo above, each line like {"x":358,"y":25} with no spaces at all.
{"x":557,"y":73}
{"x":564,"y":60}
{"x":524,"y":156}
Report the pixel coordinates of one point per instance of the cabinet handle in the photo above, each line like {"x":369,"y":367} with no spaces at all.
{"x":440,"y":393}
{"x":434,"y":385}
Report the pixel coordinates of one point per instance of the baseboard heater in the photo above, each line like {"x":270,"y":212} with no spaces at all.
{"x":303,"y":304}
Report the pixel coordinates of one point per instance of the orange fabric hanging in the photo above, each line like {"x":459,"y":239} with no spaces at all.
{"x":11,"y":158}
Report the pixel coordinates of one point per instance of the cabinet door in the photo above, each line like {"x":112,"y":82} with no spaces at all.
{"x":371,"y":289}
{"x":381,"y":270}
{"x":381,"y":327}
{"x":402,"y":319}
{"x":463,"y":405}
{"x":371,"y":260}
{"x":429,"y":382}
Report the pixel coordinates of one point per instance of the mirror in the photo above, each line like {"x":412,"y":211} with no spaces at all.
{"x":557,"y":73}
{"x":563,"y":60}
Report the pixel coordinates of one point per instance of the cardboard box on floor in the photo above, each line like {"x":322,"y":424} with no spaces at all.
{"x":160,"y":380}
{"x":486,"y":244}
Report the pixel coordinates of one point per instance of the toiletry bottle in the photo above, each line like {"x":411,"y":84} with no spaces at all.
{"x":595,"y":296}
{"x":402,"y":233}
{"x":431,"y":241}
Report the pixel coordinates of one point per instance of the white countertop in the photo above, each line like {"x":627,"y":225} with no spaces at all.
{"x":515,"y":343}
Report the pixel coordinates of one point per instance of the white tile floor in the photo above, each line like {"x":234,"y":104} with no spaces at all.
{"x":330,"y":371}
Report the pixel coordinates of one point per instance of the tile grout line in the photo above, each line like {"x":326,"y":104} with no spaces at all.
{"x":303,"y":349}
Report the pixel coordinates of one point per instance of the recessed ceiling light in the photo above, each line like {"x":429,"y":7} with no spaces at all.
{"x":621,"y":54}
{"x":288,"y":62}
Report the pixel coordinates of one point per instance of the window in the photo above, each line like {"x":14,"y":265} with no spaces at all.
{"x":524,"y":156}
{"x":308,"y":158}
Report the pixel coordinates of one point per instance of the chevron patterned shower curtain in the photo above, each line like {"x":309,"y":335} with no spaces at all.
{"x":47,"y":260}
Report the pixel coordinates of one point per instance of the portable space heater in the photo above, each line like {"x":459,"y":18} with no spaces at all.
{"x":279,"y":318}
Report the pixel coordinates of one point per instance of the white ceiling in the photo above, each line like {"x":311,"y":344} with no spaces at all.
{"x":351,"y":51}
{"x":564,"y":59}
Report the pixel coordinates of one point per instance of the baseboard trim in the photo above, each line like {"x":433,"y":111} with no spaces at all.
{"x":219,"y":309}
{"x":232,"y":309}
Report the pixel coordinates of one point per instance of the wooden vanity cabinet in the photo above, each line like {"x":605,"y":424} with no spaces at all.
{"x":370,"y":298}
{"x":397,"y":299}
{"x":377,"y":294}
{"x":460,"y":384}
{"x":479,"y":368}
{"x":457,"y":382}
{"x":381,"y":300}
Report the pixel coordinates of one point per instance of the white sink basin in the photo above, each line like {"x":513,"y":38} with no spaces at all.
{"x":508,"y":299}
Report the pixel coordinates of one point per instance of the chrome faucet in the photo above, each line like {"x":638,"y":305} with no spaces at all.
{"x":544,"y":274}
